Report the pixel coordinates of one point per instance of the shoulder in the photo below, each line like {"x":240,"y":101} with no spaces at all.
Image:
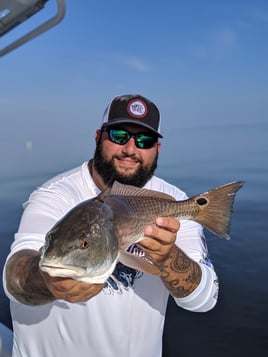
{"x":76,"y":179}
{"x":66,"y":189}
{"x":158,"y":184}
{"x":72,"y":175}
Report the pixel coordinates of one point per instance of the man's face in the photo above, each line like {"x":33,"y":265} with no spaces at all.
{"x":126,"y":163}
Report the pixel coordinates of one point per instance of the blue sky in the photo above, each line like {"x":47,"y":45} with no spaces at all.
{"x":205,"y":63}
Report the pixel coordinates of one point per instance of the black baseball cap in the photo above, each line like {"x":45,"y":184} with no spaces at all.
{"x":132,"y":109}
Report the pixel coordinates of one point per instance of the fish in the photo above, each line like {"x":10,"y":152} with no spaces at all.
{"x":88,"y":242}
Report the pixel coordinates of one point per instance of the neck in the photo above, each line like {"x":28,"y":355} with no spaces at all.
{"x":95,"y":175}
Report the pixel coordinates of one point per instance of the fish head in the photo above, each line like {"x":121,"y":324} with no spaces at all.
{"x":82,"y":244}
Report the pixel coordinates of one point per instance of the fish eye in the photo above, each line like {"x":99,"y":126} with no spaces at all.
{"x":84,"y":243}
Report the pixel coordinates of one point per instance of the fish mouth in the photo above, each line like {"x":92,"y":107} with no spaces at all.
{"x":64,"y":271}
{"x":90,"y":276}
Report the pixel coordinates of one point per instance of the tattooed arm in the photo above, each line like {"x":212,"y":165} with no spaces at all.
{"x":193,"y":285}
{"x":180,"y":274}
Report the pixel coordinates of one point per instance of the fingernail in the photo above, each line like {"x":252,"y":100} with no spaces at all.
{"x":148,"y":230}
{"x":159,"y":220}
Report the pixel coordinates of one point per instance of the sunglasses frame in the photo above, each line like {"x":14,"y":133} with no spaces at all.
{"x":152,"y":139}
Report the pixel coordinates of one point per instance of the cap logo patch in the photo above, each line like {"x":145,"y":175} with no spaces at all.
{"x":137,"y":108}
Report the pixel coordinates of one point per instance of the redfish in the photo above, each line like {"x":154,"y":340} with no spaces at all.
{"x":92,"y":237}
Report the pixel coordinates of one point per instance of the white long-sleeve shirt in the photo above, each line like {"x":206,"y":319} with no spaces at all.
{"x":124,"y":320}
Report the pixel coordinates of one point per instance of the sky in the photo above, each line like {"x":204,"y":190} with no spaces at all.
{"x":204,"y":63}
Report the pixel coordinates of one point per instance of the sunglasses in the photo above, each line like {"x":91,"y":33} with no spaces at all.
{"x":121,"y":137}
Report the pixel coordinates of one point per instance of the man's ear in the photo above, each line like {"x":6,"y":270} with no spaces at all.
{"x":97,"y":136}
{"x":158,"y":146}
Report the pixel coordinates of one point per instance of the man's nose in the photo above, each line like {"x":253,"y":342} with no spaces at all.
{"x":129,"y":147}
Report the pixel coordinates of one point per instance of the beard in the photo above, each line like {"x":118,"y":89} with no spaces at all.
{"x":107,"y":170}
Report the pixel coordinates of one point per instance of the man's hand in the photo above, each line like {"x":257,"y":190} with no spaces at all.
{"x":69,"y":289}
{"x":160,"y":239}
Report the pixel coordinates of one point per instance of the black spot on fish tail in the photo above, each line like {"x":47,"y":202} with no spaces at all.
{"x":201,"y":201}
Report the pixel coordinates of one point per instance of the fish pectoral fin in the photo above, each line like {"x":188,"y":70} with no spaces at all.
{"x":136,"y":262}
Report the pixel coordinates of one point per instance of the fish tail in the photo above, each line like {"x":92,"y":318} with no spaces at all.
{"x":216,"y":208}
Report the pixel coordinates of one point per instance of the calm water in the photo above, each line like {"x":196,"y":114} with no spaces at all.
{"x":238,"y":325}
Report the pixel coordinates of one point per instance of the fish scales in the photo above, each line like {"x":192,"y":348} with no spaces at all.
{"x":133,"y":213}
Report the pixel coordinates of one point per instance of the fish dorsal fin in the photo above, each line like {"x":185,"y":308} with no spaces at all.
{"x":119,"y":189}
{"x":106,"y":192}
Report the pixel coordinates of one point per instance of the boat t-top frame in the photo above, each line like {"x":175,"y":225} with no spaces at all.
{"x":14,"y":12}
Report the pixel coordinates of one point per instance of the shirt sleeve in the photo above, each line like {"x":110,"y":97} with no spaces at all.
{"x":43,"y":209}
{"x":204,"y":297}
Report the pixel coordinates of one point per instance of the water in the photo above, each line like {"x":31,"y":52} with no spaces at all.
{"x":237,"y":326}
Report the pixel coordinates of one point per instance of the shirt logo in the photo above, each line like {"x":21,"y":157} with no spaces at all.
{"x":137,"y":108}
{"x":123,"y":277}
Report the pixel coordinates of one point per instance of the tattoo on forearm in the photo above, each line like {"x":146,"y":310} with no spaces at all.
{"x":180,"y":274}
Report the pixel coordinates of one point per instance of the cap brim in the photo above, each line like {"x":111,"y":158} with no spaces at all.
{"x":129,"y":121}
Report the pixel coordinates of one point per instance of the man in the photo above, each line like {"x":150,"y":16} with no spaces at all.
{"x":125,"y":316}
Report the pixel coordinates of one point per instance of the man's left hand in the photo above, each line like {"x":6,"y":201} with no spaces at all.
{"x":160,"y":239}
